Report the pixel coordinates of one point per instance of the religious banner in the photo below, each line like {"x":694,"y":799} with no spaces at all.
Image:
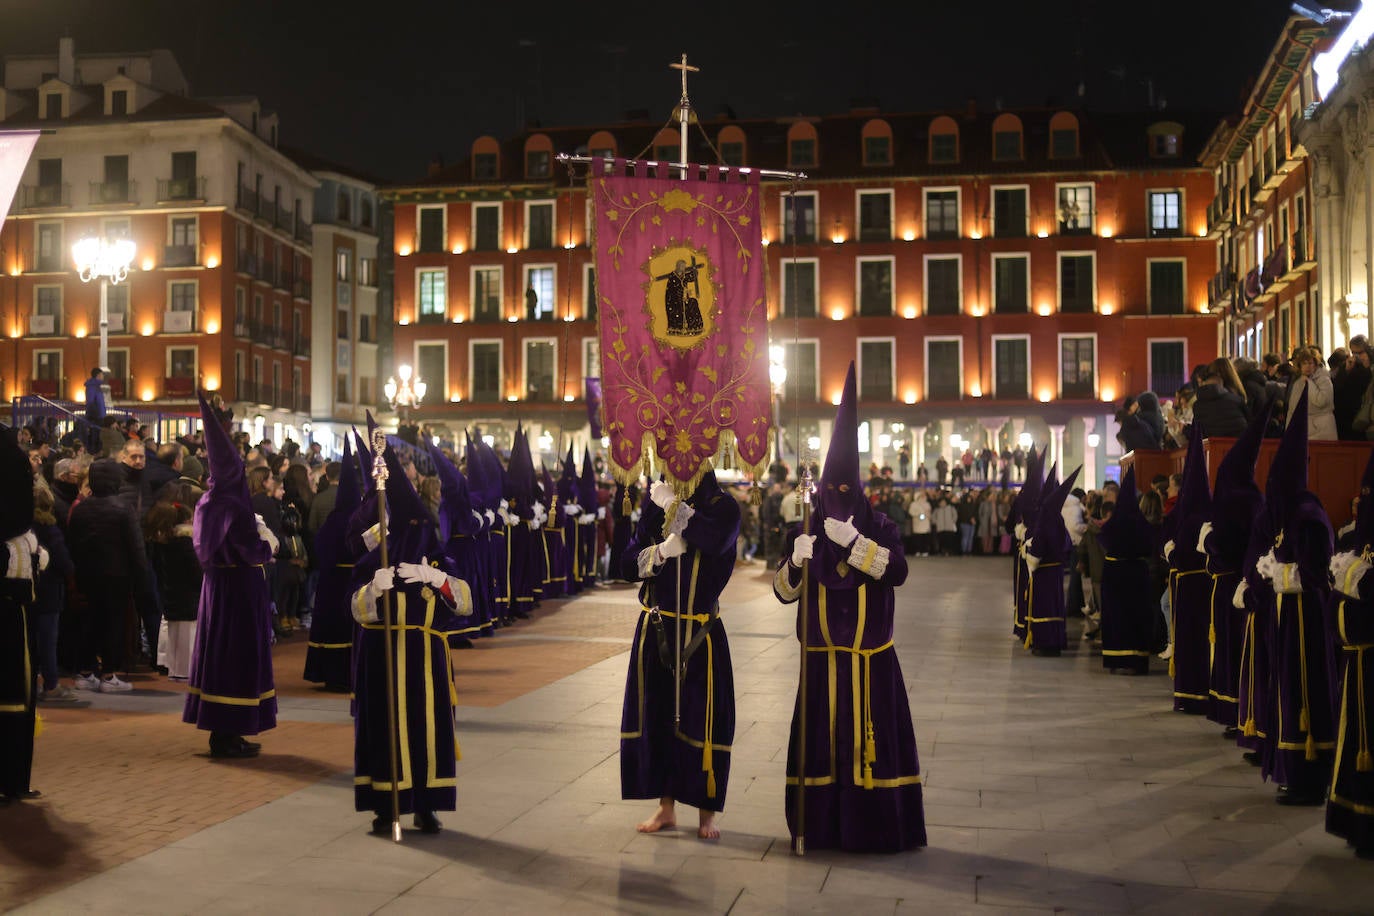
{"x":15,"y":148}
{"x":683,"y":323}
{"x":594,"y":406}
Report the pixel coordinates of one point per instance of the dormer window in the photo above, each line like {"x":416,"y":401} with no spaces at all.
{"x":1006,"y":138}
{"x":944,"y":140}
{"x":537,"y":163}
{"x":52,"y":105}
{"x":877,"y":143}
{"x":1164,"y":145}
{"x":484,"y":167}
{"x":802,"y":151}
{"x":1063,"y":136}
{"x":119,"y":102}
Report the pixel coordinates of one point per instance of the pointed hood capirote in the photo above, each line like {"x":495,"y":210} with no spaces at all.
{"x":567,"y":480}
{"x":1236,"y":498}
{"x":1288,"y":471}
{"x":455,"y":502}
{"x":350,"y":493}
{"x":840,"y":494}
{"x":365,"y":456}
{"x":1049,"y":533}
{"x":586,"y":485}
{"x":225,"y":530}
{"x":1128,"y":534}
{"x":1029,"y":494}
{"x":16,"y":476}
{"x":224,"y":464}
{"x":519,"y":487}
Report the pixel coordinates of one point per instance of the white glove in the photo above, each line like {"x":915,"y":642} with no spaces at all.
{"x":1205,"y":530}
{"x":532,"y":523}
{"x":1020,"y":530}
{"x":1238,"y":599}
{"x":372,"y":536}
{"x":673,"y":546}
{"x":506,"y":517}
{"x":586,"y":519}
{"x":1032,"y":561}
{"x":1267,"y":566}
{"x":422,"y":572}
{"x":477,"y":516}
{"x":1347,"y":569}
{"x":842,"y":533}
{"x":634,"y":516}
{"x":802,"y":548}
{"x":491,"y":517}
{"x":600,"y":513}
{"x":572,"y":510}
{"x":266,"y":534}
{"x":1168,"y":549}
{"x":539,"y":509}
{"x":662,"y":494}
{"x":364,"y":604}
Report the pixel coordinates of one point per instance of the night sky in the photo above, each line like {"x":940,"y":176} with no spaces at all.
{"x":387,"y":97}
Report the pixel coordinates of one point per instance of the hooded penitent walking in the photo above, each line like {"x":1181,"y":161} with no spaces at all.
{"x":1191,"y":586}
{"x":230,"y":691}
{"x":1047,"y":550}
{"x":683,"y":554}
{"x":24,"y":560}
{"x":329,"y":654}
{"x":1020,"y":516}
{"x":861,"y":773}
{"x":419,"y":592}
{"x":1129,"y":602}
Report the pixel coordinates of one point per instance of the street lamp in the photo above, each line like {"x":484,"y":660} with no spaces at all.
{"x":777,"y":374}
{"x":407,"y":394}
{"x":108,"y":259}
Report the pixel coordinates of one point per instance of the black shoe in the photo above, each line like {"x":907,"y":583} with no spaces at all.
{"x":26,"y":795}
{"x":232,"y":750}
{"x":1251,"y":757}
{"x":1231,"y":733}
{"x":426,"y":822}
{"x":381,"y":825}
{"x":1044,"y":653}
{"x":1364,"y":852}
{"x":250,"y":745}
{"x":1306,"y":799}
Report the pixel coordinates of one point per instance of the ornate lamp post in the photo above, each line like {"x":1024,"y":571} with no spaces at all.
{"x":108,"y":259}
{"x":406,"y":395}
{"x":777,"y":375}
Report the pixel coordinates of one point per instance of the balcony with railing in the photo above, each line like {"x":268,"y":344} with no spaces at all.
{"x":178,"y":321}
{"x":282,"y":219}
{"x":300,"y":288}
{"x":106,"y":193}
{"x":45,"y":325}
{"x":247,"y":199}
{"x":1219,"y":211}
{"x":277,"y":339}
{"x":1272,"y":176}
{"x":179,"y":386}
{"x":180,"y":189}
{"x":42,"y":196}
{"x":245,"y":262}
{"x":302,"y":230}
{"x":1221,"y":289}
{"x":300,"y":346}
{"x":266,"y":211}
{"x":179,"y":256}
{"x":281,"y":278}
{"x":47,"y":387}
{"x":1301,"y":259}
{"x":300,"y":402}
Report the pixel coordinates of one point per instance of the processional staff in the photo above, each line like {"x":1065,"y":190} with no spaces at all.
{"x":379,"y":474}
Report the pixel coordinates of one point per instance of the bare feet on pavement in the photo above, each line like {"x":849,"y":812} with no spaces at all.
{"x":708,"y":829}
{"x":662,"y":819}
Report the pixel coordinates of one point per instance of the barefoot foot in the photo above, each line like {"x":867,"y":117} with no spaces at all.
{"x":663,"y":818}
{"x":707,"y":829}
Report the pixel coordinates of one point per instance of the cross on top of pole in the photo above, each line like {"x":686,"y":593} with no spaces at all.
{"x":685,"y":68}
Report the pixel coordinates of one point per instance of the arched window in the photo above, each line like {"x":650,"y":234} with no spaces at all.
{"x":486,"y":159}
{"x":802,"y":150}
{"x":944,"y":140}
{"x":877,"y":143}
{"x":1006,"y":138}
{"x":1064,"y":136}
{"x":602,"y":144}
{"x":730,"y":143}
{"x":667,"y":145}
{"x":538,"y":156}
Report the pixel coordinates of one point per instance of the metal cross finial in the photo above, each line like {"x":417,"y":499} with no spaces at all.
{"x":685,"y":68}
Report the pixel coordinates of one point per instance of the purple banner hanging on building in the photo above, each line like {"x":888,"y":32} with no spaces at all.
{"x":594,"y":406}
{"x":683,"y":323}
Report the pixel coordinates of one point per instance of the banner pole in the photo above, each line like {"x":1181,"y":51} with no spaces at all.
{"x":804,"y":618}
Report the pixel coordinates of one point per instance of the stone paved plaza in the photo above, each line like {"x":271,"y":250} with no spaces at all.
{"x":1050,"y":787}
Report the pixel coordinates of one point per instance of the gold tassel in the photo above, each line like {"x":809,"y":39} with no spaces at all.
{"x":37,"y":725}
{"x":756,"y":496}
{"x":868,"y":775}
{"x":1249,"y":730}
{"x":1304,"y":724}
{"x":648,"y":466}
{"x":1364,"y":761}
{"x":1311,"y":748}
{"x":457,"y":751}
{"x":625,"y":504}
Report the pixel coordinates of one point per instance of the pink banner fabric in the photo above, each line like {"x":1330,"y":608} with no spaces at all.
{"x":683,"y":321}
{"x":15,"y":148}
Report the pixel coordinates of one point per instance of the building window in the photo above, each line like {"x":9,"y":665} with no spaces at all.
{"x":431,"y":365}
{"x":1011,"y":373}
{"x":666,"y":152}
{"x":875,"y":370}
{"x":799,"y":289}
{"x":183,"y":235}
{"x":343,"y":206}
{"x":591,"y":357}
{"x":1168,"y":365}
{"x":52,"y":105}
{"x":486,"y":370}
{"x":431,"y":229}
{"x":539,"y":370}
{"x":365,"y":332}
{"x":432,"y":293}
{"x":1164,"y":145}
{"x":49,"y":253}
{"x":875,"y":216}
{"x":486,"y":227}
{"x":1075,"y":209}
{"x":942,"y":286}
{"x":877,"y":150}
{"x":539,"y":225}
{"x":1011,"y":283}
{"x":800,"y":359}
{"x":1076,"y":283}
{"x":1006,"y":145}
{"x":484,"y":167}
{"x":589,"y":289}
{"x":486,"y":294}
{"x":1063,"y":143}
{"x":341,"y":392}
{"x":364,"y":218}
{"x":1165,"y":210}
{"x":801,"y":153}
{"x":342,"y":262}
{"x":1077,"y":367}
{"x":537,"y":163}
{"x":181,"y":362}
{"x":942,"y":214}
{"x":343,"y":318}
{"x":944,"y":148}
{"x":367,"y":272}
{"x":799,"y":218}
{"x":944,"y":369}
{"x":539,"y":294}
{"x":732,"y":153}
{"x":1166,"y":287}
{"x":47,"y":367}
{"x":1009,"y":213}
{"x":119,"y":102}
{"x":183,"y":296}
{"x":875,"y":286}
{"x":47,"y":310}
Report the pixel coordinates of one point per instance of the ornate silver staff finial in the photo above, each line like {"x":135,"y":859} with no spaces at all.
{"x":379,"y":469}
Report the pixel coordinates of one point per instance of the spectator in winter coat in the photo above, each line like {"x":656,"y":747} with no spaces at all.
{"x":1349,"y":384}
{"x":51,"y":595}
{"x":1148,"y":411}
{"x":1220,"y":405}
{"x":1321,"y":418}
{"x":1135,"y":433}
